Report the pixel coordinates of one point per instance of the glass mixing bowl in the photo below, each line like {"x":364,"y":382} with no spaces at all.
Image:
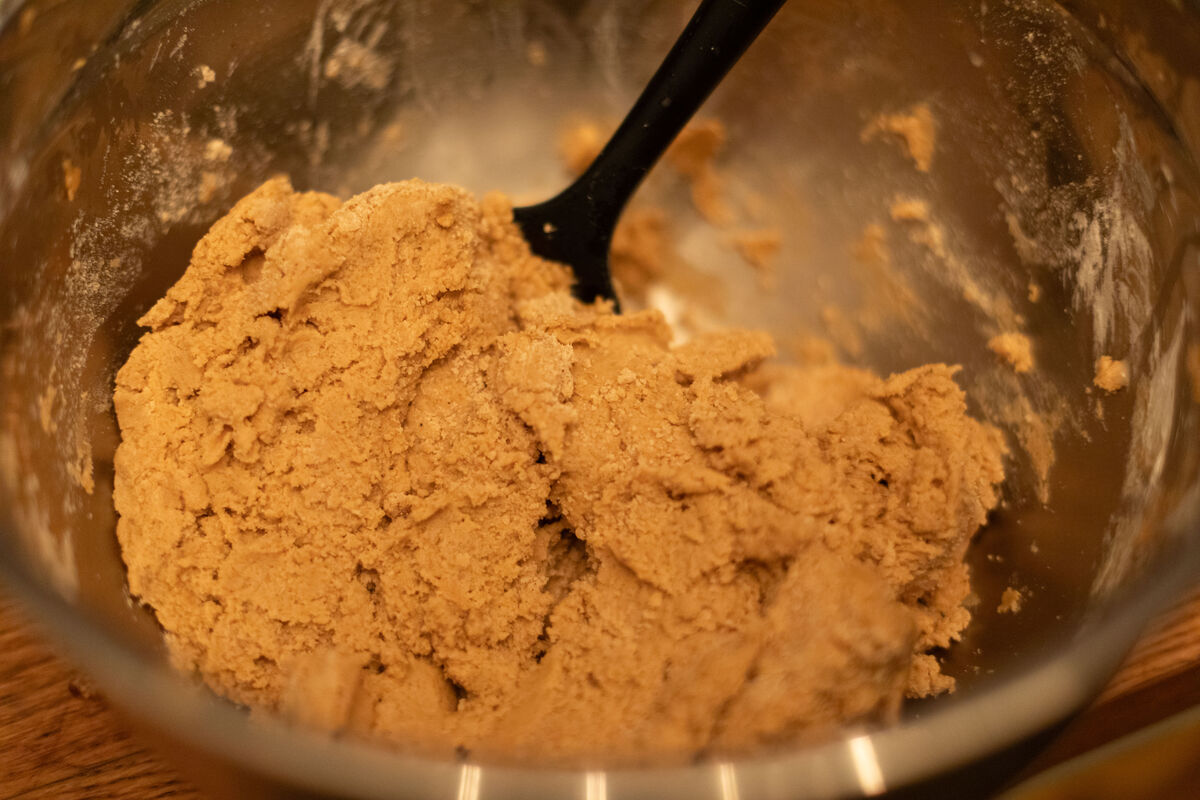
{"x":1062,"y":200}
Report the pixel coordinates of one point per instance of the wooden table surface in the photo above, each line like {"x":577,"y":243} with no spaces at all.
{"x":60,"y":740}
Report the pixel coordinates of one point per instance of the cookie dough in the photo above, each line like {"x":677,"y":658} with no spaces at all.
{"x":1112,"y":375}
{"x":1011,"y":601}
{"x":915,"y":129}
{"x":1014,"y":349}
{"x":381,"y":473}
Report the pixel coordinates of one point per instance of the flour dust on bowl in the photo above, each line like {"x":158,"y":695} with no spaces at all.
{"x":1009,"y":188}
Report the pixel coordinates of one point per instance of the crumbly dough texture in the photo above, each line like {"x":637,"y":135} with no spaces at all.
{"x":381,"y":473}
{"x":1112,"y":375}
{"x":1011,"y":601}
{"x":1015,"y":349}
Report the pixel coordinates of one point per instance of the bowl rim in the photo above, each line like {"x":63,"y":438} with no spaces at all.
{"x":1044,"y":690}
